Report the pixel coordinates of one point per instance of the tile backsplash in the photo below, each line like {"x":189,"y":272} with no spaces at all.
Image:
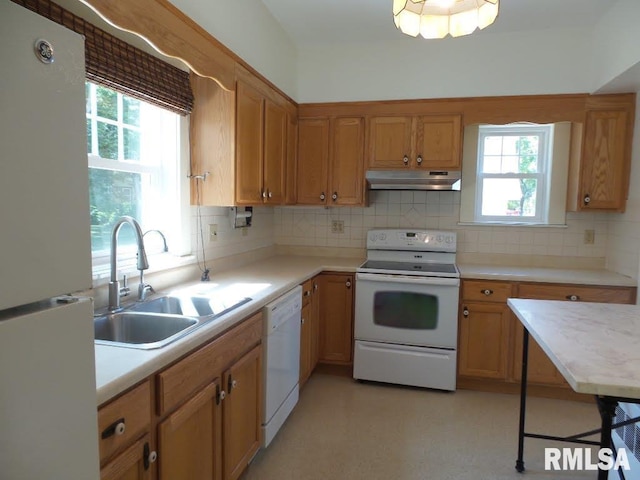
{"x":312,"y":226}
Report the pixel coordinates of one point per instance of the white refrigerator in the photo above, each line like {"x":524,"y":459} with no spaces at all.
{"x":48,"y":418}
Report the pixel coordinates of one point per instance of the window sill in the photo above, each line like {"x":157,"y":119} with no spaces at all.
{"x":127,"y":266}
{"x":512,"y":224}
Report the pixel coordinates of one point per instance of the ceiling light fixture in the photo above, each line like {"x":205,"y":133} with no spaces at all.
{"x":439,"y":18}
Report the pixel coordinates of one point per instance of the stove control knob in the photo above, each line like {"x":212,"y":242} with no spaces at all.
{"x":383,"y":236}
{"x":440,"y":238}
{"x":373,"y":237}
{"x":448,"y":239}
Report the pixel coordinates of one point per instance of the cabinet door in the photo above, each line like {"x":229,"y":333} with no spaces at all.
{"x":314,"y":316}
{"x":540,"y":369}
{"x":130,"y":464}
{"x":438,"y":142}
{"x":336,"y":318}
{"x":275,"y":152}
{"x":313,"y":161}
{"x":189,"y":439}
{"x":604,"y":160}
{"x":305,"y":343}
{"x":389,"y":142}
{"x":241,"y":415}
{"x":484,"y":340}
{"x":346,"y":181}
{"x":249,"y":145}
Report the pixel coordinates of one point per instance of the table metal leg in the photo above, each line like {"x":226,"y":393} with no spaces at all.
{"x":523,"y":400}
{"x":607,"y":407}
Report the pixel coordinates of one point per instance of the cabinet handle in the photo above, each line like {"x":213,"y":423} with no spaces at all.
{"x":348,"y":284}
{"x":487,"y":292}
{"x":148,"y":456}
{"x":117,"y":428}
{"x":573,"y":298}
{"x":587,"y":199}
{"x":334,"y":197}
{"x":231,"y":384}
{"x":405,"y":160}
{"x":419,"y":160}
{"x":220,"y":395}
{"x":465,"y":312}
{"x":322,"y":196}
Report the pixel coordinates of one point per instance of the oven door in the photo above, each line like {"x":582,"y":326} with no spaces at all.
{"x":407,"y":310}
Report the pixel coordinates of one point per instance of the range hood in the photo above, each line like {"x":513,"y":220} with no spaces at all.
{"x":413,"y":180}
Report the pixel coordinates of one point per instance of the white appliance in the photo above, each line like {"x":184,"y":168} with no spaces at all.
{"x":281,"y":360}
{"x":48,"y":418}
{"x":406,"y":309}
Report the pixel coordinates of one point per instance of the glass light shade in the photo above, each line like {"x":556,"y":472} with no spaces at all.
{"x":439,"y":18}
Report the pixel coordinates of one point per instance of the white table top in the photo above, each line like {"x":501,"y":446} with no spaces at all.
{"x":595,"y":346}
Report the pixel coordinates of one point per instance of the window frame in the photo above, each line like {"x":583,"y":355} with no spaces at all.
{"x":545,"y":135}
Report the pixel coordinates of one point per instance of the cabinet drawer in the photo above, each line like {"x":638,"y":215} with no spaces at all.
{"x":485,"y":291}
{"x":307,"y":290}
{"x":576,"y":293}
{"x":178,"y":383}
{"x":133,"y":410}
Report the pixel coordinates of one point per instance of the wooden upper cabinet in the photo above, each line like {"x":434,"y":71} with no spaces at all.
{"x":438,"y":141}
{"x":275,"y":152}
{"x":346,"y":162}
{"x":600,"y":169}
{"x":313,"y":161}
{"x":249,"y":145}
{"x":427,"y":141}
{"x":389,"y":142}
{"x":331,"y":161}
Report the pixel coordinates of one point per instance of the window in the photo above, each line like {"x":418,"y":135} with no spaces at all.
{"x":512,"y":173}
{"x":515,"y":174}
{"x":134,"y":168}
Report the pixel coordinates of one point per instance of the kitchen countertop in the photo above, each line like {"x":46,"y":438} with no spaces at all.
{"x":119,"y":368}
{"x":545,"y":275}
{"x":593,"y":345}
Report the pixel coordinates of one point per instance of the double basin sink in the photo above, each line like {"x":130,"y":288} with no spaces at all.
{"x":159,"y":321}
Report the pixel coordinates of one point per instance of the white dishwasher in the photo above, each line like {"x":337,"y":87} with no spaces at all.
{"x":281,"y":345}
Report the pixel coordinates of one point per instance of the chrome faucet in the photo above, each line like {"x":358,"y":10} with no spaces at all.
{"x":115,"y":292}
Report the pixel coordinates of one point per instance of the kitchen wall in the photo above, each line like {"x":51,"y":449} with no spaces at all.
{"x":250,"y":31}
{"x":549,"y":61}
{"x":624,"y":228}
{"x":536,"y":246}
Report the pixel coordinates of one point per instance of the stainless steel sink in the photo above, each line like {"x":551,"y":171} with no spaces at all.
{"x":141,"y":330}
{"x":159,"y":321}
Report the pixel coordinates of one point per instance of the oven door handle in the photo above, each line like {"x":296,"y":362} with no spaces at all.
{"x":413,"y":280}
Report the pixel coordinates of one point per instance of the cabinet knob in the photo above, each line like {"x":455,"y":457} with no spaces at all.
{"x":405,"y":160}
{"x":315,"y":287}
{"x":587,"y":199}
{"x":148,"y":456}
{"x":264,"y":194}
{"x":307,"y":293}
{"x":270,"y":194}
{"x":302,"y":320}
{"x":334,"y":197}
{"x":322,"y":196}
{"x":348,"y":284}
{"x":419,"y":160}
{"x":231,"y":384}
{"x":220,"y":394}
{"x":573,"y":298}
{"x":487,"y":292}
{"x":465,"y":312}
{"x":117,"y":428}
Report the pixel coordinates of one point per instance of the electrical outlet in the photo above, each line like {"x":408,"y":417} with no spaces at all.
{"x":213,"y":232}
{"x":589,"y":237}
{"x":337,"y":226}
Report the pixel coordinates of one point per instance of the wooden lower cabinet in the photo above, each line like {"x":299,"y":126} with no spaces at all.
{"x":336,"y":318}
{"x":309,"y":329}
{"x":189,"y":439}
{"x":484,"y":340}
{"x":241,"y":413}
{"x":132,"y":464}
